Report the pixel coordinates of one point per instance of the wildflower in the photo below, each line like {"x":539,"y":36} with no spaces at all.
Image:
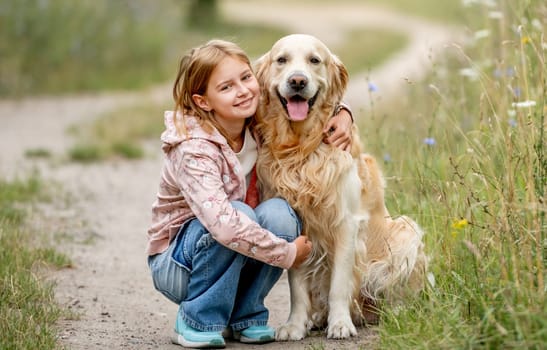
{"x":512,"y":123}
{"x":430,"y":141}
{"x":524,"y":104}
{"x":511,"y":113}
{"x":431,"y":279}
{"x":516,"y":91}
{"x":481,"y":34}
{"x":460,"y":224}
{"x":509,"y":72}
{"x":537,"y":24}
{"x":387,"y":157}
{"x":525,"y":40}
{"x":372,"y":87}
{"x":470,"y":73}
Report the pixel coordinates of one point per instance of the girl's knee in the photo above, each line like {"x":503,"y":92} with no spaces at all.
{"x":277,"y":216}
{"x":246,"y":209}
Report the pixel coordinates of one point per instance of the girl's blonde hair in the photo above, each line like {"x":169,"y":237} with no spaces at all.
{"x":195,"y":70}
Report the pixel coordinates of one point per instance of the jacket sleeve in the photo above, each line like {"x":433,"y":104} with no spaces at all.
{"x":202,"y":183}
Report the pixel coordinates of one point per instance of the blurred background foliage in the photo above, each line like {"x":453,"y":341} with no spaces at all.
{"x":60,"y":46}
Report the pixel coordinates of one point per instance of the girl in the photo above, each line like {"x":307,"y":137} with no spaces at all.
{"x":210,"y":249}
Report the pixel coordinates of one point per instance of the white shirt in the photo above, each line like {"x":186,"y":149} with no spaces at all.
{"x":247,"y":155}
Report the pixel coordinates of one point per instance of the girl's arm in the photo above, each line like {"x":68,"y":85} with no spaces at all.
{"x":200,"y":179}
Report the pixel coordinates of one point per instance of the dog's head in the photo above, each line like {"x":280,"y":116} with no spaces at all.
{"x":302,"y":73}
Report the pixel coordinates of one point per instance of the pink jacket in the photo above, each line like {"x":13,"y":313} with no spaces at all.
{"x":201,"y":175}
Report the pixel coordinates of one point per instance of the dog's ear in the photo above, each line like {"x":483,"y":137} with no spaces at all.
{"x":260,"y":67}
{"x":338,"y":76}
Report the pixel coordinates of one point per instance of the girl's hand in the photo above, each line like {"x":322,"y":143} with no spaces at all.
{"x":338,"y":130}
{"x":303,"y":249}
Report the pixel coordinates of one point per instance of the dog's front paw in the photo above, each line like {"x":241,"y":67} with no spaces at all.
{"x":291,"y":331}
{"x":341,"y":329}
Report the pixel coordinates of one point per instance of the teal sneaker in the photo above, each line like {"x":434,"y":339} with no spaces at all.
{"x":256,"y":335}
{"x":192,"y":338}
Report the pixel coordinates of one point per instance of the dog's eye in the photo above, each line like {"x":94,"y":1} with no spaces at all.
{"x":315,"y":60}
{"x":281,"y":60}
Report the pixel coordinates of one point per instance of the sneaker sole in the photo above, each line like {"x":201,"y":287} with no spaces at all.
{"x":214,"y":344}
{"x":261,"y":340}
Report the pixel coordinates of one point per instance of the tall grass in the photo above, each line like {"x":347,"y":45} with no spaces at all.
{"x":61,"y":45}
{"x":469,"y":158}
{"x":28,"y":311}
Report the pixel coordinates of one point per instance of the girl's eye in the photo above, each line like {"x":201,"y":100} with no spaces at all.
{"x":224,"y":87}
{"x":246,"y":77}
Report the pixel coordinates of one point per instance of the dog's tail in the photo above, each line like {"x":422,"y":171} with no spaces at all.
{"x":402,"y":266}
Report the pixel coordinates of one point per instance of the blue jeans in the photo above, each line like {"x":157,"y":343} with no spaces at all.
{"x":215,"y":286}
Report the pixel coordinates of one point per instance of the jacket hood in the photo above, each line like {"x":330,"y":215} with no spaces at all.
{"x":170,"y":137}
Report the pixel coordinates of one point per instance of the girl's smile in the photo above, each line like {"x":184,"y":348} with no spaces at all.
{"x":232,"y":92}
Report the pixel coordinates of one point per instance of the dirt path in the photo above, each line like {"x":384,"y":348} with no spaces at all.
{"x":105,"y":219}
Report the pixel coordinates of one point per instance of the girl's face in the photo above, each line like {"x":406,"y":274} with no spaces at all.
{"x":232,"y":91}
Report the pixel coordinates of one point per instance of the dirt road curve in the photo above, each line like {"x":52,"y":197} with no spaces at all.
{"x":103,"y":223}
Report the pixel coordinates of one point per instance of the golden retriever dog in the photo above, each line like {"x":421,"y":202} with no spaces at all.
{"x":359,"y":253}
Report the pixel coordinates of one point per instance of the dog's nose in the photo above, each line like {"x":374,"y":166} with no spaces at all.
{"x":298,"y":82}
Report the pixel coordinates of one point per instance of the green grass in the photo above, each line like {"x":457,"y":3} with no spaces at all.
{"x":465,"y":155}
{"x":27,"y":306}
{"x":61,"y":46}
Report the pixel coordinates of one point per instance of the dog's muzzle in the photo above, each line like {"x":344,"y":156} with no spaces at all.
{"x":296,"y":106}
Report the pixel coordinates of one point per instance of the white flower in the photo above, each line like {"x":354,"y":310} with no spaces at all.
{"x":431,"y":279}
{"x":524,"y":104}
{"x":470,"y":73}
{"x":193,"y":162}
{"x":253,"y":250}
{"x":234,"y":245}
{"x":225,"y":179}
{"x":224,"y":218}
{"x":481,"y":34}
{"x":207,"y":204}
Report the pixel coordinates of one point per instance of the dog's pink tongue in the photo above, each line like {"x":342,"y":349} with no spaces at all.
{"x":298,"y":110}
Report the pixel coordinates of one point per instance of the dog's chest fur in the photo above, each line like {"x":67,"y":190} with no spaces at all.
{"x":310,"y":185}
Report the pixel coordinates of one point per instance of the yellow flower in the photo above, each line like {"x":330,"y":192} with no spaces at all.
{"x":525,"y":39}
{"x":460,"y":224}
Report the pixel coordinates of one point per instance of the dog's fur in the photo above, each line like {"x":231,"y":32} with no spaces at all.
{"x":359,"y":253}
